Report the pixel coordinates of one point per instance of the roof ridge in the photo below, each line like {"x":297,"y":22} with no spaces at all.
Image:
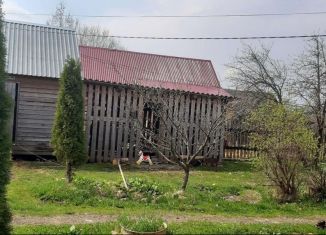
{"x":146,"y":53}
{"x":37,"y":25}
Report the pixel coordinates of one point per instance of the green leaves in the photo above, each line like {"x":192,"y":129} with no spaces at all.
{"x":68,"y":137}
{"x":286,"y":146}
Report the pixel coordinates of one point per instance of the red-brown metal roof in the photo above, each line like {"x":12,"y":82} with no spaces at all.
{"x":150,"y":70}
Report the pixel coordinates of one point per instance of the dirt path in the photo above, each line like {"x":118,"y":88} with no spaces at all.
{"x":92,"y":218}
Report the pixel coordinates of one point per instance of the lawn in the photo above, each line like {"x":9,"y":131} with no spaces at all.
{"x":236,"y":189}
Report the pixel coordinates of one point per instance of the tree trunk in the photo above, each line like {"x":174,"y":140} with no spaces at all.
{"x":69,"y":171}
{"x":185,"y":178}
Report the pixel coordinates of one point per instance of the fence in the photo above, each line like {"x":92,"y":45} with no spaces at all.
{"x":109,"y":126}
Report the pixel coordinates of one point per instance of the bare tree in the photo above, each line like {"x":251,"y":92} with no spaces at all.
{"x":169,"y":132}
{"x":63,"y":19}
{"x":97,"y":37}
{"x":309,"y":85}
{"x":255,"y":70}
{"x":87,"y":35}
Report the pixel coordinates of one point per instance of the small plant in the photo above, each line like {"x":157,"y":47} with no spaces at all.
{"x":141,"y":225}
{"x":139,"y":189}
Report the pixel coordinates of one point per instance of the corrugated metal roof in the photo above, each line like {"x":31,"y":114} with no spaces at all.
{"x":168,"y":72}
{"x":38,"y":50}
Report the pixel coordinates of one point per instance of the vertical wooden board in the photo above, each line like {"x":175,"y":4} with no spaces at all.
{"x":214,"y":117}
{"x":221,"y":111}
{"x":186,"y":121}
{"x":180,"y":118}
{"x":197,"y":123}
{"x":175,"y":117}
{"x":116,"y":94}
{"x":140,"y":119}
{"x":126,"y":138}
{"x":99,"y":157}
{"x":108,"y":123}
{"x":191,"y":122}
{"x":208,"y":123}
{"x":95,"y":124}
{"x":90,"y":92}
{"x":121,"y":122}
{"x":202,"y":122}
{"x":132,"y":142}
{"x":163,"y":129}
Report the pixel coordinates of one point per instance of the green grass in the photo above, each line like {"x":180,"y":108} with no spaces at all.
{"x":179,"y":228}
{"x":236,"y":189}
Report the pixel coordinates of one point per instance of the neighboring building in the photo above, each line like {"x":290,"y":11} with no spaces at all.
{"x":110,"y":77}
{"x":36,"y":55}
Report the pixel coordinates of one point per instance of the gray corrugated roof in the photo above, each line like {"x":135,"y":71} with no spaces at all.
{"x":38,"y":50}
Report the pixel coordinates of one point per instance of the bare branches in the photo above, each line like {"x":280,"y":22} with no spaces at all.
{"x":309,"y":84}
{"x":180,"y":126}
{"x":254,"y":70}
{"x":63,"y":19}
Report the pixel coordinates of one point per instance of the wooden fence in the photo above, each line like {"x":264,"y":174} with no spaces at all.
{"x":239,"y":153}
{"x":109,"y":126}
{"x":237,"y":142}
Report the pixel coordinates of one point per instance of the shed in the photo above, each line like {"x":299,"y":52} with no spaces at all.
{"x":110,"y":77}
{"x":35,"y":58}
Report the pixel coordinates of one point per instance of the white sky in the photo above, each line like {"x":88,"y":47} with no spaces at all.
{"x":219,"y":52}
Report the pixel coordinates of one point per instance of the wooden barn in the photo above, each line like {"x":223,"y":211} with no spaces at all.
{"x":110,"y":78}
{"x":35,"y":58}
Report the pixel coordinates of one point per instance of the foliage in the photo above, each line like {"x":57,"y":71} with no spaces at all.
{"x":142,"y":224}
{"x":39,"y":188}
{"x":317,"y":183}
{"x":68,"y":137}
{"x":5,"y":143}
{"x":285,"y":145}
{"x":191,"y":227}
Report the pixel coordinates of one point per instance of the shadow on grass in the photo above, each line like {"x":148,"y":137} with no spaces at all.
{"x":227,"y":166}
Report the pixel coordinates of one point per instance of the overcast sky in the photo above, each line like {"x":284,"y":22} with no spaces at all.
{"x":219,"y":52}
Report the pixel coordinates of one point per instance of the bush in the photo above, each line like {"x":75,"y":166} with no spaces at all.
{"x":317,"y":183}
{"x":139,"y":190}
{"x":285,"y":146}
{"x":5,"y":142}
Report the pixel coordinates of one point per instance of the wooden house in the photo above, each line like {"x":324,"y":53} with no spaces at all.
{"x":110,"y":78}
{"x":35,"y":58}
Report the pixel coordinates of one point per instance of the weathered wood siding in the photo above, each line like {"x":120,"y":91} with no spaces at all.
{"x":108,"y":123}
{"x":109,"y":126}
{"x":35,"y":114}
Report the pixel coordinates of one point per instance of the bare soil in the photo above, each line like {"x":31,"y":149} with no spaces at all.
{"x":92,"y":218}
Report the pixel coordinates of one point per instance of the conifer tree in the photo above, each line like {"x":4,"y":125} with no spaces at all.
{"x":68,"y":136}
{"x":5,"y":142}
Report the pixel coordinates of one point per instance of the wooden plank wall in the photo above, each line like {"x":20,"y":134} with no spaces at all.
{"x":35,"y":114}
{"x":109,"y":126}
